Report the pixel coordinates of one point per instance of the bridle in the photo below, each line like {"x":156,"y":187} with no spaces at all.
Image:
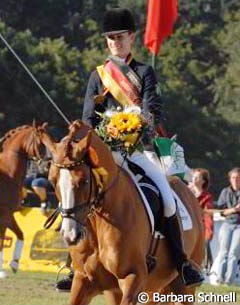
{"x":92,"y":202}
{"x":35,"y":142}
{"x":93,"y":198}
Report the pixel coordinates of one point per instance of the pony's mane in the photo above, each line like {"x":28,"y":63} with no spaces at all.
{"x":9,"y":134}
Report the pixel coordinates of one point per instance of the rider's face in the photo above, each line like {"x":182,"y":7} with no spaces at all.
{"x":120,"y":44}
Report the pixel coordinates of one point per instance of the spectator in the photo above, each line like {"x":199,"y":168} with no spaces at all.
{"x":229,"y":233}
{"x":199,"y":186}
{"x":37,"y":174}
{"x":36,"y":180}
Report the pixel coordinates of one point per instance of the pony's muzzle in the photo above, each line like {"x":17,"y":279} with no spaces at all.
{"x":69,"y":230}
{"x":73,"y":235}
{"x":69,"y":236}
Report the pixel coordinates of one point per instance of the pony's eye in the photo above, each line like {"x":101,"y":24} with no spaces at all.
{"x":83,"y":181}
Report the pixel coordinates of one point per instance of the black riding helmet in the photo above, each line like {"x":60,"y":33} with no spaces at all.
{"x":117,"y":21}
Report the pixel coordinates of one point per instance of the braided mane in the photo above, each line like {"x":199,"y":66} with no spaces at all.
{"x":9,"y":134}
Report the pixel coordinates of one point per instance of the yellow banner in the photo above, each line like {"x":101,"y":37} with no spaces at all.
{"x":44,"y":250}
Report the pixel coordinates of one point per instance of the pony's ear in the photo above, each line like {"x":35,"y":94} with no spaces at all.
{"x":93,"y":157}
{"x":34,"y":124}
{"x":74,"y":128}
{"x":84,"y":144}
{"x":47,"y":140}
{"x":86,"y":141}
{"x":45,"y":137}
{"x":91,"y":152}
{"x":44,"y":125}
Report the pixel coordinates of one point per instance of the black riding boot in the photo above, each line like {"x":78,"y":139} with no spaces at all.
{"x":65,"y":284}
{"x":189,"y":275}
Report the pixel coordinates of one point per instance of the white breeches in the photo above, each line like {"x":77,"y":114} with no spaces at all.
{"x":150,"y":163}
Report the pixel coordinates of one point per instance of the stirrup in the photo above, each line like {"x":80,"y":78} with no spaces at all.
{"x":65,"y":284}
{"x":60,"y":270}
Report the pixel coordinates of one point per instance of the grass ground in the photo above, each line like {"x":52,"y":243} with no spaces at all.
{"x":37,"y":288}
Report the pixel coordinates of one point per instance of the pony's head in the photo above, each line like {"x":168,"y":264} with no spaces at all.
{"x":25,"y":140}
{"x":71,"y":173}
{"x":33,"y":145}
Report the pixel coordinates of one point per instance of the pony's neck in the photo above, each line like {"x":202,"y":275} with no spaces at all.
{"x":105,"y":158}
{"x":14,"y":164}
{"x":14,"y":157}
{"x":16,"y":142}
{"x":121,"y":206}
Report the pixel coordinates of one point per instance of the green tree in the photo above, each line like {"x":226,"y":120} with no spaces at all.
{"x":227,"y":87}
{"x":58,"y":69}
{"x":55,"y":18}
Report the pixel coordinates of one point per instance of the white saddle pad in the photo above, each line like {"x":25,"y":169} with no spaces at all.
{"x":184,"y":215}
{"x":183,"y":212}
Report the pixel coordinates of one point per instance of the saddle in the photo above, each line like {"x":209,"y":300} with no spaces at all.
{"x":152,"y":194}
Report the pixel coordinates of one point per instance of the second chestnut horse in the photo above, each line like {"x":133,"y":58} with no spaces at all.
{"x":18,"y":145}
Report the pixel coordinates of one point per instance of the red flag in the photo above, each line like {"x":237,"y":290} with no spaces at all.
{"x":161,"y":17}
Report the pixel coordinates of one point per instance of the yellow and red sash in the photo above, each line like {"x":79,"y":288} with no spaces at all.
{"x":121,"y":82}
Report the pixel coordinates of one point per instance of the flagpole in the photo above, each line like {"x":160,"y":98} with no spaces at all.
{"x":153,"y":60}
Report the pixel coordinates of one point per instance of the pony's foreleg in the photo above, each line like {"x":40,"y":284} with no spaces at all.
{"x":130,"y":286}
{"x":113,"y":297}
{"x":178,"y":288}
{"x":3,"y":274}
{"x":82,"y":290}
{"x":17,"y":253}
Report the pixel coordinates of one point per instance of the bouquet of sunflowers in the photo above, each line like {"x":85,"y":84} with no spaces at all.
{"x":121,"y":129}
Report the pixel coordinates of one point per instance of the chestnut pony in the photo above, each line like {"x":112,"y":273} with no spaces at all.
{"x":18,"y":145}
{"x":105,"y":224}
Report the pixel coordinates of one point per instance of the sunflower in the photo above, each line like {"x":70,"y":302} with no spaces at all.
{"x":126,"y":122}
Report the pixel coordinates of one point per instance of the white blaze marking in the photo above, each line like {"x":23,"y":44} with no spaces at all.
{"x":69,"y":226}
